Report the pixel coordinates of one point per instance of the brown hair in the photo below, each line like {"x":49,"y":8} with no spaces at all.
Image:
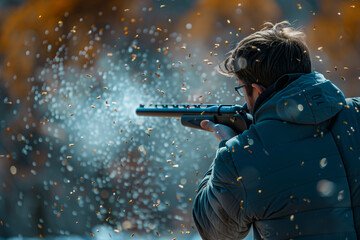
{"x":266,"y":55}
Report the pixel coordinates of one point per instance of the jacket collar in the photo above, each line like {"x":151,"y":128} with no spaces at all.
{"x":274,"y":88}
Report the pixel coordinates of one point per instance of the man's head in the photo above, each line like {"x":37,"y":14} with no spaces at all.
{"x":264,"y":56}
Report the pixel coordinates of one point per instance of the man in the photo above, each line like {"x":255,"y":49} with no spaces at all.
{"x":295,"y":173}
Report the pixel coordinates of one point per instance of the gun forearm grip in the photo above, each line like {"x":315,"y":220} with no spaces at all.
{"x":194,"y":121}
{"x":238,"y":123}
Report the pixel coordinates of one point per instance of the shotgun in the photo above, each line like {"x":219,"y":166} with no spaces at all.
{"x":191,"y":115}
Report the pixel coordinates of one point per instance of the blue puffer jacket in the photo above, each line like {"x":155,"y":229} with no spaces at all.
{"x":295,"y":174}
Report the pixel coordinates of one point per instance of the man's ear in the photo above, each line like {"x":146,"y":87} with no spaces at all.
{"x":258,"y":88}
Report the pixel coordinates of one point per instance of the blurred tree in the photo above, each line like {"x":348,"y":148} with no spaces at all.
{"x":209,"y":18}
{"x":335,"y":31}
{"x":33,"y":33}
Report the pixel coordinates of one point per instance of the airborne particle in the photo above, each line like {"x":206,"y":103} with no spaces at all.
{"x":323,"y":162}
{"x":13,"y":170}
{"x":300,"y":107}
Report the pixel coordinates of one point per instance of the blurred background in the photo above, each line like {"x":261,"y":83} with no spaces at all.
{"x":75,"y":160}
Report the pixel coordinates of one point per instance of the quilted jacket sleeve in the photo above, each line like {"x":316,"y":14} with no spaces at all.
{"x":220,"y":204}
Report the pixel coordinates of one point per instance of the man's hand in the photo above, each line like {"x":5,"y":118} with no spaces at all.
{"x":222,"y":132}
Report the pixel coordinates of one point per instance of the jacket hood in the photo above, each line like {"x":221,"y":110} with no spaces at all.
{"x":309,"y":99}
